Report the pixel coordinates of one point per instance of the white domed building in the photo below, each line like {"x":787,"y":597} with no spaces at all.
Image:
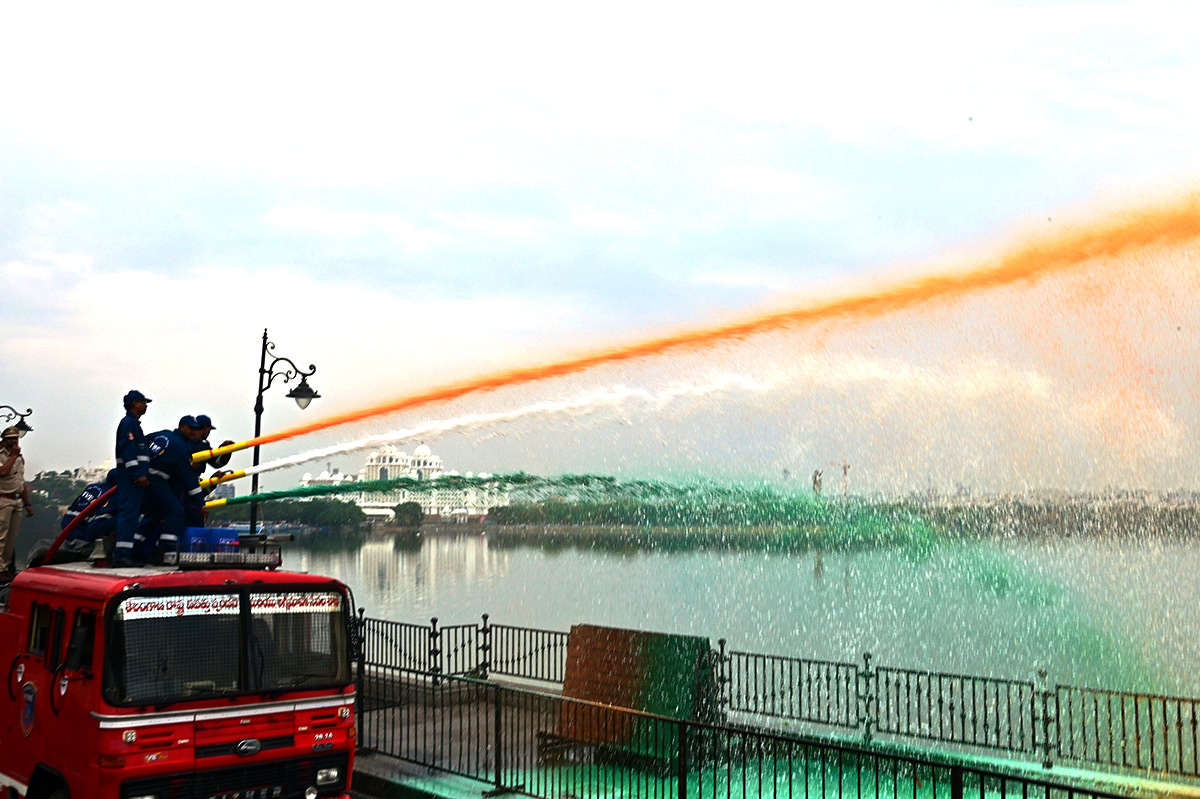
{"x":390,"y":462}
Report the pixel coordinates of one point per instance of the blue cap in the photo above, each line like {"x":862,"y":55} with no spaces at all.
{"x":136,"y":396}
{"x":203,"y":421}
{"x":188,"y":421}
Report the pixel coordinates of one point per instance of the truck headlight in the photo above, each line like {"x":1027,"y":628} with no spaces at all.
{"x":328,"y":776}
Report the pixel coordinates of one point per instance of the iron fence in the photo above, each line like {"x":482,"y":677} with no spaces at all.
{"x":527,"y":653}
{"x":542,"y":745}
{"x":1036,"y":721}
{"x":456,"y":649}
{"x":397,"y":644}
{"x":1128,"y":730}
{"x":983,"y":712}
{"x":815,"y":691}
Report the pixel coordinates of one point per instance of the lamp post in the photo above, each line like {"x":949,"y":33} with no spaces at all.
{"x":303,"y":394}
{"x":10,"y":413}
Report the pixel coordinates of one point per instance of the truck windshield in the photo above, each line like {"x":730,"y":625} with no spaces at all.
{"x":167,"y":648}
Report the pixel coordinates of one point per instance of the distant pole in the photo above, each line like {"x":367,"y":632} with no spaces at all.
{"x":845,"y":478}
{"x":302,"y":393}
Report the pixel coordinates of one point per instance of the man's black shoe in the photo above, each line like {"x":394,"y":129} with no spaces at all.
{"x":126,"y":563}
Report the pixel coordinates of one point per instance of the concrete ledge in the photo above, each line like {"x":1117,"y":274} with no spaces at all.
{"x":383,"y":777}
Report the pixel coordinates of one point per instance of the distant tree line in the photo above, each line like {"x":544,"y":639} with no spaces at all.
{"x":761,"y":509}
{"x":325,"y":513}
{"x":59,"y":488}
{"x":1003,"y":519}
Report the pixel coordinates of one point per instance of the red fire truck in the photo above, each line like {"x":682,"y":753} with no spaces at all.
{"x":210,"y":682}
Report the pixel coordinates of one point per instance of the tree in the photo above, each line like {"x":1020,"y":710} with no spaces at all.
{"x":409,"y":514}
{"x":60,"y":489}
{"x":330,"y":513}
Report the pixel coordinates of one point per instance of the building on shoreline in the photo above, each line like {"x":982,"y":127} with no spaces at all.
{"x":94,"y":474}
{"x":465,"y":504}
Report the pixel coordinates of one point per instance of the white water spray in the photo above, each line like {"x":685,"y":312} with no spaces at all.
{"x":617,"y":397}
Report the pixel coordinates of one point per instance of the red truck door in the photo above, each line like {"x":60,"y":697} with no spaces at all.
{"x":31,"y":684}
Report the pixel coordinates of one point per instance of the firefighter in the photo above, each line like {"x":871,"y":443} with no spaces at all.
{"x":206,"y":428}
{"x":100,"y":523}
{"x":133,"y":476}
{"x":173,"y":482}
{"x":193,"y":507}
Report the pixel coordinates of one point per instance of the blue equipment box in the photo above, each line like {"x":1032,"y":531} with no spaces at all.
{"x":210,"y":539}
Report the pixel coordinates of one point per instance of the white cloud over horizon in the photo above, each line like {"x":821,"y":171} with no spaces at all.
{"x":406,"y":195}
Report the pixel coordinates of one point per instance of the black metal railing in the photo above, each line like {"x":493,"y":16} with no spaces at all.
{"x":1128,"y":730}
{"x":982,"y":712}
{"x":528,"y":653}
{"x":542,"y":745}
{"x":456,"y":648}
{"x":796,"y":689}
{"x":1032,"y":720}
{"x":396,"y":644}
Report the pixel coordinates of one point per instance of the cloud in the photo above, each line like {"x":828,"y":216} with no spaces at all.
{"x":193,"y":346}
{"x":509,"y":97}
{"x":345,"y":224}
{"x":405,"y":195}
{"x":597,"y":219}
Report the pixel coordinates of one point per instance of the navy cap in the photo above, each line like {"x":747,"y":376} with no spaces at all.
{"x":188,"y":421}
{"x":203,"y":421}
{"x":135,"y":396}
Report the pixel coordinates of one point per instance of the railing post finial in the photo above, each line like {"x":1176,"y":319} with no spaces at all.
{"x":866,"y":698}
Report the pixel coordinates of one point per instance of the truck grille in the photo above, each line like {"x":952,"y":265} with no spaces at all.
{"x":259,"y":781}
{"x":217,"y":750}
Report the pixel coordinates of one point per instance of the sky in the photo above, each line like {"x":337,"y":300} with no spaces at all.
{"x":408,"y":195}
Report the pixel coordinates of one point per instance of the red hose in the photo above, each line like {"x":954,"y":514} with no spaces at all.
{"x":70,"y":528}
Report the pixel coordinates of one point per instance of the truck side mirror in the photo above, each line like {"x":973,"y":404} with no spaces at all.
{"x":78,"y":649}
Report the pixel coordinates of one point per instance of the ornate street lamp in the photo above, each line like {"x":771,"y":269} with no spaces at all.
{"x":303,"y":394}
{"x":8,"y":413}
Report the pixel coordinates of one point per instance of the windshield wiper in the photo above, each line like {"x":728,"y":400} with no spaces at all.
{"x":296,"y":680}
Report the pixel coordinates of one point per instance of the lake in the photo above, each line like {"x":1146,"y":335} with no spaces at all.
{"x":1089,"y":611}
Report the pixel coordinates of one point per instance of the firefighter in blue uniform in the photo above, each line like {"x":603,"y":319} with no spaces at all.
{"x":173,"y":482}
{"x":133,"y":476}
{"x":206,"y":427}
{"x":194,"y":509}
{"x":100,"y":523}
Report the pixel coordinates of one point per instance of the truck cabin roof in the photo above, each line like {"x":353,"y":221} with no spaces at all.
{"x":85,"y":581}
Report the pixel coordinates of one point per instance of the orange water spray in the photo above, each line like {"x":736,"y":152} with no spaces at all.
{"x":1166,"y":225}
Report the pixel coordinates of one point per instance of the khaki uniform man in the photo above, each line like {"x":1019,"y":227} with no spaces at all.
{"x":13,"y":497}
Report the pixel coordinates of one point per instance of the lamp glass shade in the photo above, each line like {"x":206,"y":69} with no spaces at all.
{"x":303,"y":394}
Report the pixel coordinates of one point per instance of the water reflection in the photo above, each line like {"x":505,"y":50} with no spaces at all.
{"x":1115,"y":614}
{"x":394,"y":577}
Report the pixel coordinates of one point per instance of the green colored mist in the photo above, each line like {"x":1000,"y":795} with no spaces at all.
{"x":603,"y":513}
